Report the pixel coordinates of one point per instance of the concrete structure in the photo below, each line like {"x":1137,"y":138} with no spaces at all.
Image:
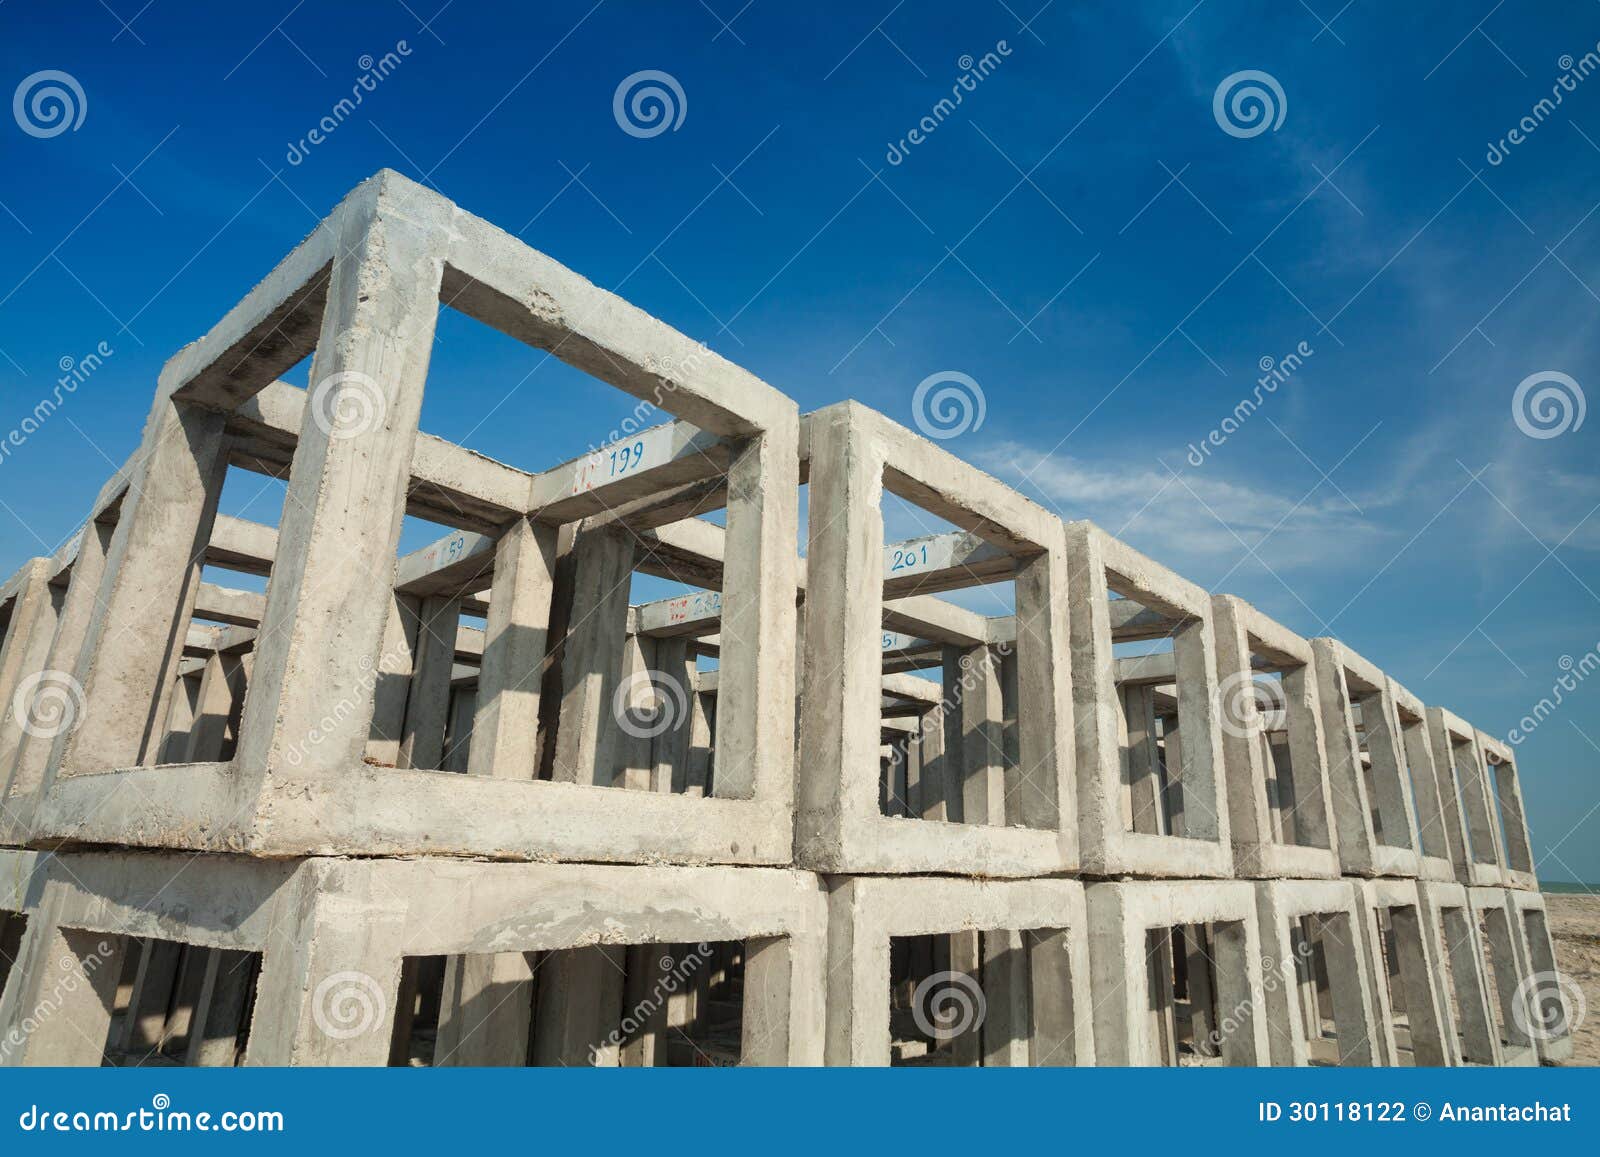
{"x":470,"y":806}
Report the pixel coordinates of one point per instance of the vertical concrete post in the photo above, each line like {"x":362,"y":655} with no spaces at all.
{"x":152,"y":993}
{"x":588,"y":735}
{"x":1045,"y":788}
{"x":580,"y":1007}
{"x":27,"y":776}
{"x":185,"y":702}
{"x":65,"y":982}
{"x":24,"y":656}
{"x":131,"y":648}
{"x":330,"y":975}
{"x":322,"y":632}
{"x":484,"y":1012}
{"x":428,"y":701}
{"x":219,"y":1013}
{"x":982,"y":739}
{"x":755,"y":718}
{"x":669,"y":751}
{"x":516,"y":640}
{"x":1007,"y":1030}
{"x":840,"y":716}
{"x":396,"y":666}
{"x":222,"y":691}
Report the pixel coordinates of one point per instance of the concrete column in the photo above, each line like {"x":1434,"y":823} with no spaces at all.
{"x":1008,"y":1021}
{"x":428,"y":701}
{"x":953,"y":762}
{"x":1202,"y":997}
{"x":966,"y":956}
{"x":932,"y":768}
{"x":982,"y":739}
{"x":580,"y":1007}
{"x":27,"y":775}
{"x":24,"y":652}
{"x":755,"y":735}
{"x":1143,"y":760}
{"x":644,"y":1005}
{"x":322,"y":631}
{"x":331,"y":975}
{"x":192,"y":961}
{"x":1479,"y":1044}
{"x":222,"y":691}
{"x":1388,"y":784}
{"x":701,"y":757}
{"x":640,"y":700}
{"x":458,"y":738}
{"x":146,"y":1018}
{"x":1053,"y":1036}
{"x":219,"y":1012}
{"x":66,"y":982}
{"x":1307,"y":760}
{"x":1423,"y":995}
{"x":395,"y":667}
{"x":840,"y":715}
{"x":516,"y":641}
{"x":1044,"y":788}
{"x":669,"y":754}
{"x":485,"y":1011}
{"x":588,"y":737}
{"x":134,"y":641}
{"x":185,"y":702}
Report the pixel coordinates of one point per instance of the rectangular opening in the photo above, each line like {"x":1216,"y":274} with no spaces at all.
{"x":1150,"y":737}
{"x":993,"y":998}
{"x":641,"y":1005}
{"x":1502,"y":976}
{"x":1501,"y":778}
{"x":1182,"y":980}
{"x":1430,"y":824}
{"x":1284,"y":731}
{"x":181,"y":1005}
{"x":1399,"y":1017}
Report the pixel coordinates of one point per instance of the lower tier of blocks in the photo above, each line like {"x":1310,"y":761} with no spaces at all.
{"x":134,"y":958}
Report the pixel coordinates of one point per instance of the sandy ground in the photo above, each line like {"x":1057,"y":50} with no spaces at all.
{"x":1575,"y":927}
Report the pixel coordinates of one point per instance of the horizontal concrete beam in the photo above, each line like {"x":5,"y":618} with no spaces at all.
{"x":647,"y":464}
{"x":227,"y":605}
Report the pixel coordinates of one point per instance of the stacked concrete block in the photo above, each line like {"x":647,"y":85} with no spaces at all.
{"x":468,"y":806}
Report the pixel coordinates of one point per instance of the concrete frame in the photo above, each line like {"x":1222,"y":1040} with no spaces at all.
{"x":1517,"y":869}
{"x":1416,"y":951}
{"x":1256,"y":815}
{"x":1156,"y":604}
{"x":1121,"y":914}
{"x":1469,"y":817}
{"x":865,"y":913}
{"x":855,"y":455}
{"x":1455,"y":942}
{"x":1508,"y":950}
{"x":362,"y":292}
{"x":1366,"y":847}
{"x":1334,"y":903}
{"x":1544,"y":980}
{"x":1435,"y":857}
{"x":336,"y":931}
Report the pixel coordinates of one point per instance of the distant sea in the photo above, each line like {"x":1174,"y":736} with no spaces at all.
{"x":1558,"y":886}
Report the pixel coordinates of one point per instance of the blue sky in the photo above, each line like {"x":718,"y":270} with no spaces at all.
{"x":1080,"y":236}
